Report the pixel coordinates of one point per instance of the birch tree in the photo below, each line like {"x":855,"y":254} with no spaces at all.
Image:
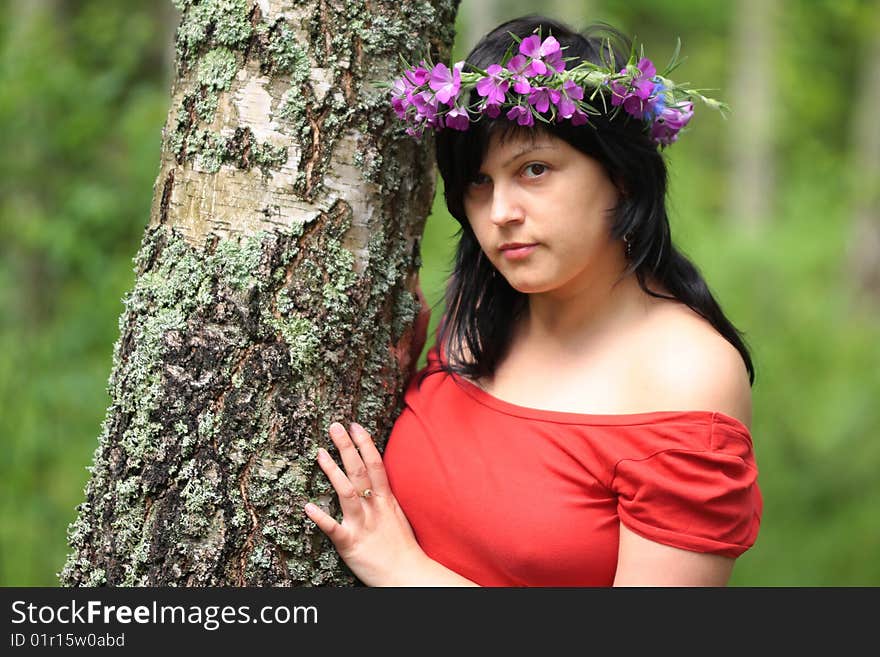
{"x":864,"y":247}
{"x":274,"y":294}
{"x":751,"y":199}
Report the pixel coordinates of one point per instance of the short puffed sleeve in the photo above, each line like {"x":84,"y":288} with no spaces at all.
{"x":704,"y":500}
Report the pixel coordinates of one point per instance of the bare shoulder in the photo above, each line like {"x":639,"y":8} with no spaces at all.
{"x":686,"y":364}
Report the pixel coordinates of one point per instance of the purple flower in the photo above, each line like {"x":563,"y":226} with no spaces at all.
{"x":657,"y":101}
{"x":426,"y":107}
{"x":541,"y":97}
{"x":565,"y":104}
{"x":636,"y":97}
{"x":491,"y":109}
{"x":399,"y":100}
{"x":445,"y":82}
{"x":457,"y":118}
{"x":417,"y":75}
{"x":579,"y":118}
{"x":665,"y":128}
{"x":405,"y":90}
{"x":646,"y":66}
{"x":493,"y":87}
{"x":544,"y":56}
{"x":637,"y":106}
{"x":522,"y":115}
{"x":518,"y":65}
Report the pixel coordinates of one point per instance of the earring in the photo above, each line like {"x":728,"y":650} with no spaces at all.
{"x":627,"y":239}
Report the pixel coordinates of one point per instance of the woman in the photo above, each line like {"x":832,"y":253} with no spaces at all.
{"x":584,"y":417}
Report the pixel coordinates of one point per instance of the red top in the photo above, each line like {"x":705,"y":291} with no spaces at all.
{"x":507,"y":495}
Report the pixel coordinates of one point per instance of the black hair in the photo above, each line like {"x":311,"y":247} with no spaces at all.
{"x":481,"y":306}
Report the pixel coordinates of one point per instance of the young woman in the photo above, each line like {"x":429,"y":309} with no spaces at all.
{"x":584,"y":418}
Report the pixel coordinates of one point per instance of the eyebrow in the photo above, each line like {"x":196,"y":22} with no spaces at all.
{"x":527,"y":149}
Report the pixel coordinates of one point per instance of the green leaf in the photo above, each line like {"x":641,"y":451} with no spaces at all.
{"x":515,"y":37}
{"x":612,"y":65}
{"x":508,"y":54}
{"x":675,"y":66}
{"x":632,"y":51}
{"x":673,"y":61}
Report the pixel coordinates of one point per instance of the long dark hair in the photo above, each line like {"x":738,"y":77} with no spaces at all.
{"x":481,"y":306}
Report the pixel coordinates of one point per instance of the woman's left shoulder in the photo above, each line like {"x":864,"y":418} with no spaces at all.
{"x":691,"y":366}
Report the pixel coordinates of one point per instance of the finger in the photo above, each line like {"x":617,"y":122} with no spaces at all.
{"x":371,"y":458}
{"x":349,"y":500}
{"x":327,"y":524}
{"x":351,"y":459}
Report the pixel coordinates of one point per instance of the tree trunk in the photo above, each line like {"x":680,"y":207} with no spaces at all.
{"x":274,"y":293}
{"x":864,"y":257}
{"x":750,"y":199}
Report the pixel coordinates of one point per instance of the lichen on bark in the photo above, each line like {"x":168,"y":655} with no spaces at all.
{"x":274,"y":291}
{"x":231,"y":365}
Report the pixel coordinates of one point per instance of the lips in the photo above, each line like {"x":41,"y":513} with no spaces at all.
{"x":515,"y":245}
{"x":517,"y":250}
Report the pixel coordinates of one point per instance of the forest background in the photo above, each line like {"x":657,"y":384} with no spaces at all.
{"x":778,"y":205}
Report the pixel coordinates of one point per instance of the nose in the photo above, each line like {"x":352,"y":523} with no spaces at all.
{"x":506,"y":207}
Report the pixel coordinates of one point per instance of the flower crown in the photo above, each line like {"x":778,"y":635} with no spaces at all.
{"x":534,"y":85}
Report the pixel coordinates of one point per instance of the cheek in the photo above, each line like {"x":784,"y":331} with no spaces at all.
{"x":582,"y":242}
{"x":480,"y":233}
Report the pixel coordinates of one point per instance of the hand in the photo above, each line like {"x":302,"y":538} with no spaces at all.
{"x":375,"y":538}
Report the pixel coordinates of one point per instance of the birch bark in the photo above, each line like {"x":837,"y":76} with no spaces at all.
{"x":274,"y":294}
{"x":864,"y":247}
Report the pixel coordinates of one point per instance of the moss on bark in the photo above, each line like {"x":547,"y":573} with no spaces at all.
{"x":247,"y":333}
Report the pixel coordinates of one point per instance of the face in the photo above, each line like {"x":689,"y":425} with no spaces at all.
{"x":556,"y":202}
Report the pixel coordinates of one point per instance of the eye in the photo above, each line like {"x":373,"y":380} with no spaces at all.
{"x":536,"y":169}
{"x":479,"y":180}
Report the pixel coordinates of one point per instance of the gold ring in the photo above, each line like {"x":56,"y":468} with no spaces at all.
{"x":368,"y":492}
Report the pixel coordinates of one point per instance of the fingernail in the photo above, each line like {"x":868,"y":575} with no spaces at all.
{"x":356,"y":427}
{"x":310,"y":508}
{"x":337,"y":427}
{"x":322,"y":453}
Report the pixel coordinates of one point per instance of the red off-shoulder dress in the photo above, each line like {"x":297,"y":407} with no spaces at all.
{"x":507,"y":495}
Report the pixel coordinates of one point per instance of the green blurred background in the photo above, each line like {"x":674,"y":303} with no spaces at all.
{"x":778,"y":206}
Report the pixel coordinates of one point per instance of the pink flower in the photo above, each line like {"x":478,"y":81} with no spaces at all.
{"x":541,"y":97}
{"x":445,"y":82}
{"x":522,"y":115}
{"x":579,"y":118}
{"x":426,"y":107}
{"x":565,"y":104}
{"x":399,"y":100}
{"x":636,"y":97}
{"x":518,"y":65}
{"x":493,"y":88}
{"x":544,"y":56}
{"x":417,"y":75}
{"x":664,"y":129}
{"x":457,"y":118}
{"x":492,"y":110}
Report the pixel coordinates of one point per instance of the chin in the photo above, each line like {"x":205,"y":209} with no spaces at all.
{"x":526,"y":286}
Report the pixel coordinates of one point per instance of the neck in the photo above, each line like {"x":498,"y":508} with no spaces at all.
{"x":578,"y":316}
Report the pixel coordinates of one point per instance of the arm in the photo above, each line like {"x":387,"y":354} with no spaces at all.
{"x":642,"y":562}
{"x":696,"y":373}
{"x":375,"y":538}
